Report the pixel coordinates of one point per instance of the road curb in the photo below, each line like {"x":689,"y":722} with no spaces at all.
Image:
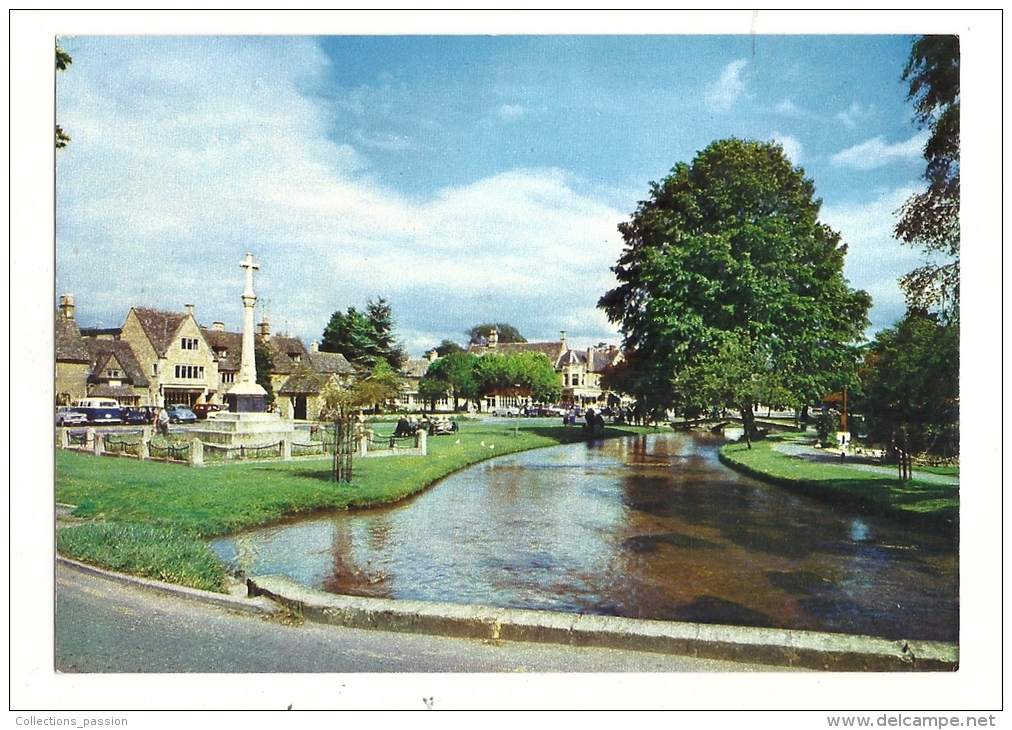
{"x":258,"y":606}
{"x":777,"y":647}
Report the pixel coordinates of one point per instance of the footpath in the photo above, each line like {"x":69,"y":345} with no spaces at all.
{"x":832,"y":456}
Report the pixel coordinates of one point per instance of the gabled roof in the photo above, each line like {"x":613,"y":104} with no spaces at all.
{"x":331,"y":363}
{"x":70,"y":346}
{"x":159,"y":326}
{"x":102,"y":351}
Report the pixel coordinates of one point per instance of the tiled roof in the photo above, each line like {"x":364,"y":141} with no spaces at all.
{"x":112,"y":391}
{"x":227,"y":348}
{"x":70,"y":346}
{"x":552,"y":350}
{"x":101,"y":352}
{"x":288,"y":353}
{"x":305,"y":384}
{"x":331,"y":362}
{"x":159,"y":326}
{"x":414,"y":368}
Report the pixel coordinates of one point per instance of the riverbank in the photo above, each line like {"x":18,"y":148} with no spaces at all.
{"x":929,"y":500}
{"x":172,"y":500}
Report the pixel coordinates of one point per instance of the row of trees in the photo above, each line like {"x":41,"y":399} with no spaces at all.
{"x":468,"y":377}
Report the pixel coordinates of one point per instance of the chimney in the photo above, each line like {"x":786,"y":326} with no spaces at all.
{"x":189,"y":309}
{"x":314,"y":346}
{"x":493,"y":338}
{"x":564,"y":345}
{"x":433,"y":356}
{"x":590,"y":359}
{"x":67,"y":305}
{"x":265,"y":328}
{"x":218,"y":326}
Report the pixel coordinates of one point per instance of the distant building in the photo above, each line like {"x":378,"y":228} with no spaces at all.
{"x":579,"y":370}
{"x":73,"y":360}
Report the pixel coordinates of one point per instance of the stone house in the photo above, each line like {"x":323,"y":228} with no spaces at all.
{"x":411,"y":374}
{"x":300,"y":395}
{"x":173,"y":355}
{"x":73,"y":360}
{"x":116,"y":373}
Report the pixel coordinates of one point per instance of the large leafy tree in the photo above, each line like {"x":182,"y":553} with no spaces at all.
{"x":451,"y":374}
{"x":507,"y":333}
{"x":364,"y":338}
{"x":930,"y":219}
{"x":911,"y":385}
{"x":730,"y":289}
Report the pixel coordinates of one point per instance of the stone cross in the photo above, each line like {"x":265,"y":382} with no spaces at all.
{"x":249,"y":266}
{"x":248,"y":368}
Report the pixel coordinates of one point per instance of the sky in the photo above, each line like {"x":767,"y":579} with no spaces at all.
{"x":465,"y":179}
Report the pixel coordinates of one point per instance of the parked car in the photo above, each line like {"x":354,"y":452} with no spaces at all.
{"x":67,"y":416}
{"x":180,"y":414}
{"x":205,"y":410}
{"x":509,"y":411}
{"x":100,"y":410}
{"x":140,"y":415}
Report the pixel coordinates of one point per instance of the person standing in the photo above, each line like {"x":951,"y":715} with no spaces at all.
{"x":163,"y":421}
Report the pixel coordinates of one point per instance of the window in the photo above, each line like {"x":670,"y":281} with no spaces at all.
{"x":154,"y":368}
{"x":112,"y":373}
{"x":189,"y":343}
{"x":228,"y":377}
{"x":190,"y":372}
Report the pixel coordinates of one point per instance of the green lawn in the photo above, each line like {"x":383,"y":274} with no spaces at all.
{"x":913,"y":499}
{"x":150,"y":518}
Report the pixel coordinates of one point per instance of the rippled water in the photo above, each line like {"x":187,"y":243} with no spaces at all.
{"x":649,"y":527}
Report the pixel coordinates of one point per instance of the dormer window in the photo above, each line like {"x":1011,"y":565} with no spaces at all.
{"x":296,"y":357}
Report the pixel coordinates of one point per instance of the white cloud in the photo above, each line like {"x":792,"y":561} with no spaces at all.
{"x":722,"y":94}
{"x":167,"y":184}
{"x":875,"y":259}
{"x":876,"y":153}
{"x":792,"y":147}
{"x":510,"y":111}
{"x":854,"y":114}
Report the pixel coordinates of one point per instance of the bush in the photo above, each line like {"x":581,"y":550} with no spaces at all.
{"x":827,"y":425}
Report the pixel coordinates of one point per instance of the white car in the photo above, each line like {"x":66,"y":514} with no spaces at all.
{"x":67,"y":416}
{"x":509,"y":411}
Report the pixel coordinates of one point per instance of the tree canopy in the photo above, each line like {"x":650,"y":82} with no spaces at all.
{"x":364,"y":338}
{"x":930,"y":219}
{"x":479,"y":334}
{"x":446,"y":347}
{"x":911,"y":385}
{"x":731,"y":292}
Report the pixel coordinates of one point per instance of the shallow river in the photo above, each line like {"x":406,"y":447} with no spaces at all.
{"x":647,"y":527}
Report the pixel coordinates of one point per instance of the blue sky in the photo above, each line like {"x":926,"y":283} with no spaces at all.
{"x":466,"y":179}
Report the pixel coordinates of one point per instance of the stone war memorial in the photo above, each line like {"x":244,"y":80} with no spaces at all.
{"x":247,"y":422}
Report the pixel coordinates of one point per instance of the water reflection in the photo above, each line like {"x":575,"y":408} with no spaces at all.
{"x":649,"y":526}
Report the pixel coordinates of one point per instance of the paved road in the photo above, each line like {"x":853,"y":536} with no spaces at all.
{"x":104,"y":626}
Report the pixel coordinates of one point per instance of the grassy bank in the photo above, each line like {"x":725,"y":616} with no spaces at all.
{"x":914,"y":500}
{"x":224,"y":499}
